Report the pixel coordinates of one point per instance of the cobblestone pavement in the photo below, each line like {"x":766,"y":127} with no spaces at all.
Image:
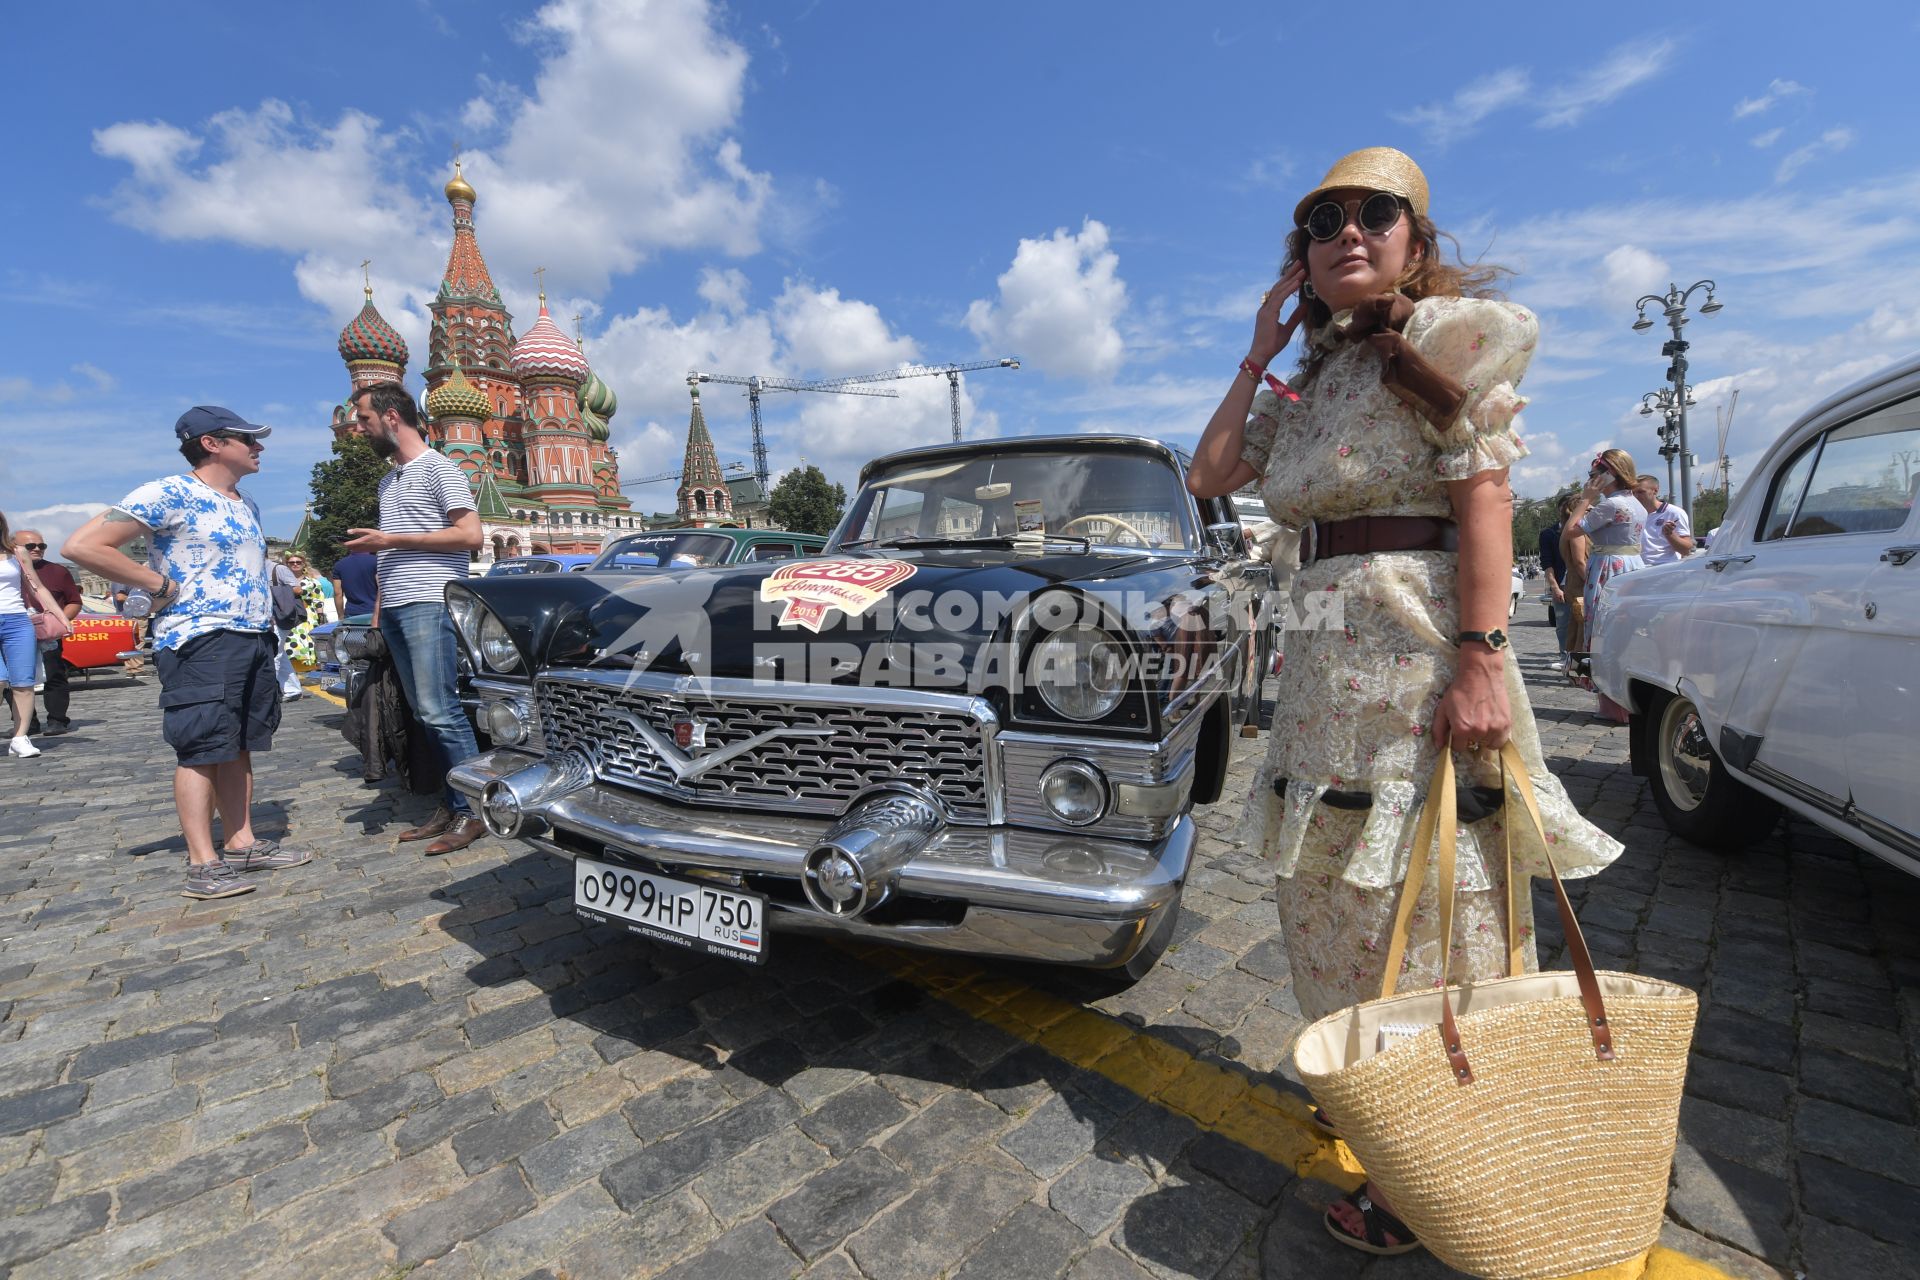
{"x":380,"y":1061}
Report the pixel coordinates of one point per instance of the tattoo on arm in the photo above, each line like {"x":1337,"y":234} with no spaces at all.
{"x":114,"y":515}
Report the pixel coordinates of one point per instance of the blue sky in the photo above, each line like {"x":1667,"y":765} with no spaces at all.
{"x":833,"y":188}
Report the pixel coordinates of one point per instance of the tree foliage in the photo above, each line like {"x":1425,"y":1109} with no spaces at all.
{"x":804,"y":502}
{"x":346,"y":495}
{"x":1531,"y":515}
{"x":1709,"y":509}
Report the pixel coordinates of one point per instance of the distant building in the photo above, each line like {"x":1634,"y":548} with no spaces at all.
{"x":526,"y":418}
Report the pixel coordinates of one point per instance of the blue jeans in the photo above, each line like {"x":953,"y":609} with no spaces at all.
{"x":1560,"y":620}
{"x":19,"y":651}
{"x":420,"y":638}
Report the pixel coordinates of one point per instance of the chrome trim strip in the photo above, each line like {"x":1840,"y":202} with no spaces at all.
{"x":719,"y":689}
{"x":1887,"y":833}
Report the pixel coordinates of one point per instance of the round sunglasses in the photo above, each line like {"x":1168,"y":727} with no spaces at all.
{"x":1378,"y":214}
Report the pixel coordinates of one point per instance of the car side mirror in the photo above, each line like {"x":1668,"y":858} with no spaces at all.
{"x":1228,"y":540}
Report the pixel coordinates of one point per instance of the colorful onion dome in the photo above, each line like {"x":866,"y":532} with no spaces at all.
{"x":368,"y":336}
{"x":458,"y":398}
{"x":597,"y":404}
{"x":457,"y":187}
{"x":545,"y":352}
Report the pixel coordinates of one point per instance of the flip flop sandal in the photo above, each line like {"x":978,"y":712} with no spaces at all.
{"x":1377,"y":1223}
{"x":1325,"y":1122}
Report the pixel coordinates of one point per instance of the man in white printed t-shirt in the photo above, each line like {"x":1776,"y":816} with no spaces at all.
{"x":1667,"y":535}
{"x":428,"y":526}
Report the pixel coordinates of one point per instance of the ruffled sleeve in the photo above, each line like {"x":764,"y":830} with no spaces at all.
{"x":1268,"y":417}
{"x":1486,"y":346}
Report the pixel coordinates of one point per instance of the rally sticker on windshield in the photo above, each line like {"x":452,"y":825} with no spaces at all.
{"x":812,"y":587}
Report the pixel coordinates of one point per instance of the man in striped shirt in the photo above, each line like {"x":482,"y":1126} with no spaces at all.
{"x":428,"y":526}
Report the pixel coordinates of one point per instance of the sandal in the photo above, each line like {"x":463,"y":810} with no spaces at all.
{"x":1324,"y":1122}
{"x":1378,"y":1225}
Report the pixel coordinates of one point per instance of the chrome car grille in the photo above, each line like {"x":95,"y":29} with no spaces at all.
{"x":851,"y":749}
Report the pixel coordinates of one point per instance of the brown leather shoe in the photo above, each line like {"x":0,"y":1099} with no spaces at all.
{"x":442,"y":819}
{"x":458,"y":836}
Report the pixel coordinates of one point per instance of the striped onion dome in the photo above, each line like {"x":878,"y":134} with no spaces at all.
{"x":458,"y":398}
{"x":545,"y":352}
{"x":368,"y":336}
{"x":597,"y":404}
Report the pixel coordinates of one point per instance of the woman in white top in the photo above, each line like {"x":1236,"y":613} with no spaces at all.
{"x":1607,"y":511}
{"x":18,"y":647}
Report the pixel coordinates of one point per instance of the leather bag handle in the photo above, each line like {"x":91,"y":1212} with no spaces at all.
{"x":1439,"y":819}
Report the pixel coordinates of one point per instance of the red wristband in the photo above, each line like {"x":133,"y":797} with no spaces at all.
{"x":1256,"y":373}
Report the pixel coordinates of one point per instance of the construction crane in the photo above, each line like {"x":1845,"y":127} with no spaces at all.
{"x":952,"y":372}
{"x":1726,"y":424}
{"x":675,"y":475}
{"x":755,"y":384}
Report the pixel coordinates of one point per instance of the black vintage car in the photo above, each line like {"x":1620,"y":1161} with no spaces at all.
{"x":976,"y":722}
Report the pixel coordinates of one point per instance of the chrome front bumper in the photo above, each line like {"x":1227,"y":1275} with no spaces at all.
{"x":1058,"y":898}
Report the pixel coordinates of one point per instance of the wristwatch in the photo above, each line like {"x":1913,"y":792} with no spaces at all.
{"x":1495,"y":639}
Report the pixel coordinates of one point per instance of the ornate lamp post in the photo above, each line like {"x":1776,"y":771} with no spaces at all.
{"x":1674,"y":306}
{"x":1661,"y":402}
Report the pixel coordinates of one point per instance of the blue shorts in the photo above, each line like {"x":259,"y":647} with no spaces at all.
{"x":19,"y":651}
{"x":219,"y":696}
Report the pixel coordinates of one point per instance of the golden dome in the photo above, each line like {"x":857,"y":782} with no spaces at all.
{"x":457,"y":187}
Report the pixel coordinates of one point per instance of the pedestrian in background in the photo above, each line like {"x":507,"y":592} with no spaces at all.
{"x":1607,"y":511}
{"x":428,"y":528}
{"x":1553,"y":566}
{"x":310,"y":588}
{"x":356,"y":583}
{"x":53,"y":667}
{"x":212,"y":636}
{"x":22,"y":594}
{"x":283,"y":590}
{"x":1668,"y":534}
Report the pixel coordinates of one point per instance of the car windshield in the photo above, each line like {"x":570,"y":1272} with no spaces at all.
{"x":522,"y":564}
{"x":1114,"y":497}
{"x":669,"y":550}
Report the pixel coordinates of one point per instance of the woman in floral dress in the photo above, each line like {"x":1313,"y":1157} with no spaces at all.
{"x":1612,"y":517}
{"x":1404,"y":405}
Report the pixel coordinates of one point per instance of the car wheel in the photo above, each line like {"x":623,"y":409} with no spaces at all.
{"x":1695,"y":794}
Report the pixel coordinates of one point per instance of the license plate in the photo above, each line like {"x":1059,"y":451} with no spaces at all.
{"x":704,"y":917}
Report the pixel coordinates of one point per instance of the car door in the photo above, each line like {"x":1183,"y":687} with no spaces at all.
{"x":1883,"y":663}
{"x":1767,"y":646}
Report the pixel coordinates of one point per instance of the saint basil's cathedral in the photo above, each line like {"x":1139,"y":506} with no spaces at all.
{"x":526,"y":418}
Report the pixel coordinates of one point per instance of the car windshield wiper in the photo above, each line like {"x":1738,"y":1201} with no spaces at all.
{"x":1006,"y":540}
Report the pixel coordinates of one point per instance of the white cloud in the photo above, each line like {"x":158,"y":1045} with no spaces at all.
{"x":1777,"y":90}
{"x":1766,"y":138}
{"x":836,"y":336}
{"x":1621,"y":70}
{"x":623,"y":139}
{"x":724,"y":290}
{"x":1828,"y":143}
{"x":1565,"y":103}
{"x":1274,"y":171}
{"x":1460,"y":115}
{"x":100,"y":378}
{"x":1630,"y":272}
{"x":1059,"y":305}
{"x":56,"y":523}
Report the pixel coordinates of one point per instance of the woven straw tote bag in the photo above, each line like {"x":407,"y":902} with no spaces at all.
{"x":1531,"y":1133}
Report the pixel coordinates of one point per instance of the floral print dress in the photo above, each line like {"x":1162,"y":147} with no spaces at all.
{"x":1356,"y":700}
{"x":313,"y":595}
{"x":1615,"y":524}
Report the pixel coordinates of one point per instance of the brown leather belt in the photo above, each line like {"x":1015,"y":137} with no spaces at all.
{"x":1325,"y":539}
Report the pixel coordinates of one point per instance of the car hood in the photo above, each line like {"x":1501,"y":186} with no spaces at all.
{"x":754,"y":621}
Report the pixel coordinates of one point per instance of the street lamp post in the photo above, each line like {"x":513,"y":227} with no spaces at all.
{"x":1661,"y":402}
{"x":1673,"y":305}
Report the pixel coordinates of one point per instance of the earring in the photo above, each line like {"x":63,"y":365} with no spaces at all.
{"x":1306,"y":290}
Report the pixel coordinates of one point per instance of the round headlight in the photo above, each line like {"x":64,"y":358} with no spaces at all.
{"x":1080,"y":672}
{"x":496,"y":646}
{"x":1074,"y":791}
{"x":507,"y":721}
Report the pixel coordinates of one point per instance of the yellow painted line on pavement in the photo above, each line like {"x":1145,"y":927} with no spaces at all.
{"x":318,"y":692}
{"x":1270,"y":1121}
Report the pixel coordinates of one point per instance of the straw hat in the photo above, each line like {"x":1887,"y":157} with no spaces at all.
{"x":1370,"y":169}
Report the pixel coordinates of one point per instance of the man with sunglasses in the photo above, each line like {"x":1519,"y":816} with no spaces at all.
{"x":212,"y":636}
{"x":57,"y":580}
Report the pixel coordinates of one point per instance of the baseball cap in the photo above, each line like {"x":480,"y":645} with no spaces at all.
{"x":205,"y":419}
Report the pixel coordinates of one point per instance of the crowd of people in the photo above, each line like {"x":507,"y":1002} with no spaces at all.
{"x":228,"y":624}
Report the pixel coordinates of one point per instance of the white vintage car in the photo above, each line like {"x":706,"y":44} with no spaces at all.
{"x":1782,"y":667}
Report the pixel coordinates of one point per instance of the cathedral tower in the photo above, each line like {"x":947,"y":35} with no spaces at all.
{"x":703,"y":496}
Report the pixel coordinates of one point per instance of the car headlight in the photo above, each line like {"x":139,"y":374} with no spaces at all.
{"x":1080,"y":672}
{"x":497,"y":649}
{"x":507,"y":721}
{"x":1074,"y":791}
